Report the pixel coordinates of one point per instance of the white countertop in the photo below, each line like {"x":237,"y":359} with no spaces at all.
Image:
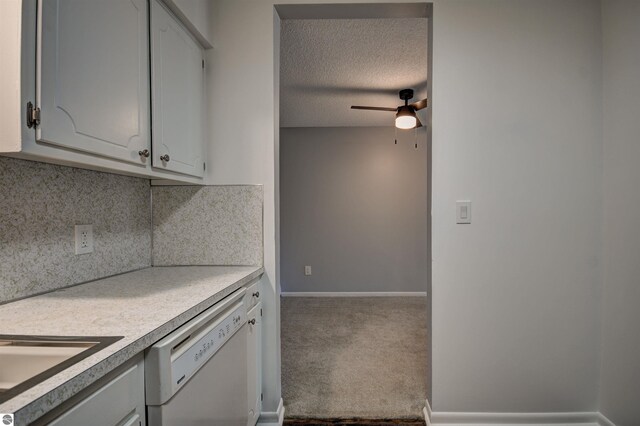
{"x":143,"y":306}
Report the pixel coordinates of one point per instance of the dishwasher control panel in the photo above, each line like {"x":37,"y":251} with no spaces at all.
{"x":205,"y":346}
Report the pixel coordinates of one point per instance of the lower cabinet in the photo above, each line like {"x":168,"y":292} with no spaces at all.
{"x":254,"y":367}
{"x":119,"y":402}
{"x":119,"y":398}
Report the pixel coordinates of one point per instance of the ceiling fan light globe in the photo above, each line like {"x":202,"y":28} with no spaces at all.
{"x":405,"y":122}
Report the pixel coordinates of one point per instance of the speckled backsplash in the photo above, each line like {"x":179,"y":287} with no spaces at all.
{"x":41,"y":203}
{"x":207,"y":225}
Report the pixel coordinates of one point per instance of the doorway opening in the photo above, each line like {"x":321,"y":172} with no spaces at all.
{"x":354,"y":202}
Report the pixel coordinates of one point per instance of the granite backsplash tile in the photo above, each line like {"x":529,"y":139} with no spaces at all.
{"x":41,"y":203}
{"x":207,"y":225}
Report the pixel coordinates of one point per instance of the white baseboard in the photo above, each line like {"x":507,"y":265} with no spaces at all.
{"x":426,"y":411}
{"x":603,"y":421}
{"x":272,"y":418}
{"x":437,"y":418}
{"x":353,"y":294}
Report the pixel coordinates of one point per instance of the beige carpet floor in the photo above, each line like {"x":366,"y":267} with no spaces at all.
{"x":354,"y":357}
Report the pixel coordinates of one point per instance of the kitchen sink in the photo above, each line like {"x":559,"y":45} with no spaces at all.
{"x":28,"y":360}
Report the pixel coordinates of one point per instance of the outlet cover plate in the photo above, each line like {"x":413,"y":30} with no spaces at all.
{"x":84,"y":239}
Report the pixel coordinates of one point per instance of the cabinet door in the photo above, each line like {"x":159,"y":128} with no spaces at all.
{"x":93,"y":76}
{"x":177,"y":79}
{"x":254,"y":369}
{"x":119,"y":402}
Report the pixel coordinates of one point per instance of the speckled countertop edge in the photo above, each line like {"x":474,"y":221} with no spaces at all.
{"x":40,"y":399}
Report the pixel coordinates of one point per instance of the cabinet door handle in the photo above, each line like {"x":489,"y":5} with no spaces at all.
{"x":144,"y":153}
{"x":165,"y":158}
{"x":256,"y":294}
{"x":252,"y":321}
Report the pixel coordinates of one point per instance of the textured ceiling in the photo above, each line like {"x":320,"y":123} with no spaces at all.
{"x":327,"y":65}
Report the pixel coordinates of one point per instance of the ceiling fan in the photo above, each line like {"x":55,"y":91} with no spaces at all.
{"x":406,"y":117}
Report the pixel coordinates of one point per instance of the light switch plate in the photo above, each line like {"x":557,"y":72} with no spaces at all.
{"x":307,"y":270}
{"x":84,"y":239}
{"x":463,"y":211}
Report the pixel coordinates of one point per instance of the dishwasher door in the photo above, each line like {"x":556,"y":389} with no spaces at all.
{"x":215,"y":396}
{"x":202,"y":392}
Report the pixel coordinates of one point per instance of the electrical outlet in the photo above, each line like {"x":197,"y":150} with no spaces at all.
{"x":307,"y":270}
{"x":84,"y":239}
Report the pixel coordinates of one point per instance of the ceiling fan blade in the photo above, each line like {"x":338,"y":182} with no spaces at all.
{"x":419,"y":105}
{"x":418,"y":123}
{"x":373,"y":108}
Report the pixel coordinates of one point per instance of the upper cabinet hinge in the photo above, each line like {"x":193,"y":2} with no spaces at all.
{"x":203,"y":64}
{"x":204,"y":166}
{"x":33,"y":115}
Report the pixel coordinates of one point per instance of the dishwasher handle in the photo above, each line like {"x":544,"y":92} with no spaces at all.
{"x":179,"y":338}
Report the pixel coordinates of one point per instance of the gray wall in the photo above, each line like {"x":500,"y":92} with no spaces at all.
{"x":353,"y":205}
{"x":517,"y":129}
{"x":41,"y":203}
{"x":620,"y":369}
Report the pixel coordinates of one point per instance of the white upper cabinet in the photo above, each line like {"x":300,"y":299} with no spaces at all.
{"x":93,"y":77}
{"x":178,"y":90}
{"x":84,"y":68}
{"x":196,"y":16}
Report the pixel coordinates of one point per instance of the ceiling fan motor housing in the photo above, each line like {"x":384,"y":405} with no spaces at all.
{"x":406,"y":94}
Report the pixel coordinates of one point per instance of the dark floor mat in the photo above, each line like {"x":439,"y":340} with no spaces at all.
{"x":353,"y":422}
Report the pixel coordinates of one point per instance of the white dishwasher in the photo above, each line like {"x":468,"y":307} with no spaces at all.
{"x":197,"y":375}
